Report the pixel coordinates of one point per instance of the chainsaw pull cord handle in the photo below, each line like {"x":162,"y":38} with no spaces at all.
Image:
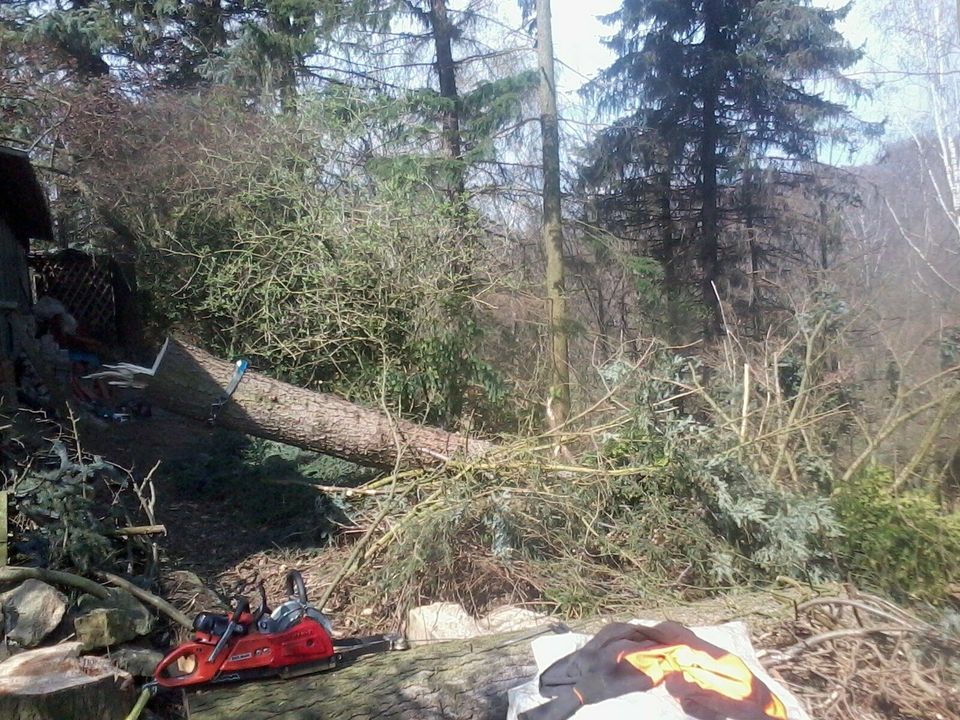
{"x":243,"y":605}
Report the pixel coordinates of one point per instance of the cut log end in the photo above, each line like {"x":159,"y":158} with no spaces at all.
{"x":55,"y":682}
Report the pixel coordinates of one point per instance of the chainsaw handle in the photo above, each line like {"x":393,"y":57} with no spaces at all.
{"x":263,"y":609}
{"x":200,"y":672}
{"x":296,"y":587}
{"x":243,"y":606}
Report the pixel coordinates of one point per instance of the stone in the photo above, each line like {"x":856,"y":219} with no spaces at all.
{"x":104,"y":627}
{"x":31,"y":611}
{"x":187,"y":592}
{"x":441,"y":621}
{"x":510,"y":618}
{"x":138,"y":661}
{"x":139,"y":616}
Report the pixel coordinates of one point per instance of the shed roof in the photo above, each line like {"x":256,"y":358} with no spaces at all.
{"x":23,"y":204}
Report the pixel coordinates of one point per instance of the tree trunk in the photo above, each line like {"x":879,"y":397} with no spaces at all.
{"x":710,"y":210}
{"x":53,"y":683}
{"x":669,"y":250}
{"x":447,"y":76}
{"x":188,"y":381}
{"x":559,"y":405}
{"x":465,"y":679}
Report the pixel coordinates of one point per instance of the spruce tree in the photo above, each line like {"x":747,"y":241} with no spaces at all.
{"x":699,"y":86}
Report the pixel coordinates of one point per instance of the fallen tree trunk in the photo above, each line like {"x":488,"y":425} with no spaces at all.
{"x":188,"y":381}
{"x":464,"y":679}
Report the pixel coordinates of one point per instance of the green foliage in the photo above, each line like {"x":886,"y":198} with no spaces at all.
{"x":439,"y":375}
{"x":950,"y":348}
{"x":56,"y":498}
{"x":902,"y":544}
{"x":319,"y":263}
{"x":748,"y":528}
{"x":664,"y":503}
{"x":259,"y":45}
{"x":704,"y":93}
{"x":491,"y":106}
{"x":64,"y":505}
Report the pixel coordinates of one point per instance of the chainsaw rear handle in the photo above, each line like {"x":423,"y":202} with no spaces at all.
{"x":296,"y":587}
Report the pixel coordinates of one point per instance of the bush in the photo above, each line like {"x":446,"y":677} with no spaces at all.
{"x":663,"y":505}
{"x":289,"y":240}
{"x":902,"y":544}
{"x":66,"y":505}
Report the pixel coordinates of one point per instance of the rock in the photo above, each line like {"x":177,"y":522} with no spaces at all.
{"x":55,"y":683}
{"x":186,"y":592}
{"x":441,"y":621}
{"x":138,"y":661}
{"x":510,"y":618}
{"x":32,"y":611}
{"x":449,"y":621}
{"x":139,"y":616}
{"x":104,"y":627}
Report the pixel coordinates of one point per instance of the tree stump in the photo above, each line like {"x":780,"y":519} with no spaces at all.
{"x":54,"y":683}
{"x":464,"y":679}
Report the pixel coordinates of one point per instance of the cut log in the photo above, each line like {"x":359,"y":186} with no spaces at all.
{"x":188,"y":381}
{"x":54,"y":683}
{"x":465,"y":679}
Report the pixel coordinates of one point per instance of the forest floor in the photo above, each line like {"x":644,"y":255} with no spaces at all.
{"x":231,"y":530}
{"x":228,"y":530}
{"x":231,"y":526}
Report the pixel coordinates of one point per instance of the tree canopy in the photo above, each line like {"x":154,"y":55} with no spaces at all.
{"x":704,"y":91}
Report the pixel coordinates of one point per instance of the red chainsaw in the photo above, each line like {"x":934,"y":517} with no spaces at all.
{"x":295,"y":639}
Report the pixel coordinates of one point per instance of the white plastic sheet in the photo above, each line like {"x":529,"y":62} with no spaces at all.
{"x":655,"y":703}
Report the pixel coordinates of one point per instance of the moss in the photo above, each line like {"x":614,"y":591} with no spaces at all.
{"x":902,"y":544}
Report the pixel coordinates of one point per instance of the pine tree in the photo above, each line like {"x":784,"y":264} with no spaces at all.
{"x":255,"y":44}
{"x":704,"y":84}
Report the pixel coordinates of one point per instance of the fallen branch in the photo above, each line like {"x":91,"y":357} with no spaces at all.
{"x":148,"y":597}
{"x":794,"y":651}
{"x":140,"y":530}
{"x":13,"y":574}
{"x":858,"y":653}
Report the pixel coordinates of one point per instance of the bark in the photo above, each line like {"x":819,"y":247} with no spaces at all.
{"x":447,"y":75}
{"x":54,"y":683}
{"x":710,"y":210}
{"x":188,"y":381}
{"x":669,"y":249}
{"x":466,"y":680}
{"x":559,"y":405}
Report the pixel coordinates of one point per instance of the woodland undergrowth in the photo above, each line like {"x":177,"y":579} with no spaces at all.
{"x":691,"y":474}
